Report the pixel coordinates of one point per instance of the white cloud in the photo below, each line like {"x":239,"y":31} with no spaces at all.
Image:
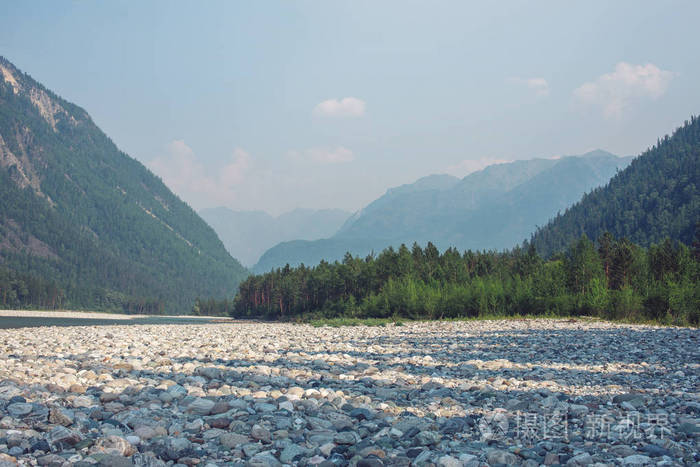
{"x":540,"y":86}
{"x":345,"y":107}
{"x":335,"y":155}
{"x":184,"y":173}
{"x":331,"y":156}
{"x":468,"y":166}
{"x":615,"y":91}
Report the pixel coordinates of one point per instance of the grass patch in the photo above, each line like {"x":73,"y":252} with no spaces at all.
{"x":338,"y":322}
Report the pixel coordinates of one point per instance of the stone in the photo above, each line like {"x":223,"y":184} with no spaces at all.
{"x":653,"y":450}
{"x":636,"y":459}
{"x":219,"y":408}
{"x":498,"y":456}
{"x":578,"y":410}
{"x":176,"y":448}
{"x":291,"y":452}
{"x":689,"y":428}
{"x":264,"y":459}
{"x":427,"y":438}
{"x":51,"y":459}
{"x":61,"y":416}
{"x":63,"y":435}
{"x":232,"y":440}
{"x":361,"y":414}
{"x":145,"y":432}
{"x":370,"y":462}
{"x":449,"y":461}
{"x":622,"y":450}
{"x":115,"y":445}
{"x":19,"y":409}
{"x":109,"y":397}
{"x":176,"y":391}
{"x":201,"y":406}
{"x":286,"y":405}
{"x":7,"y":460}
{"x":346,"y":437}
{"x":113,"y":460}
{"x":581,"y":459}
{"x":261,"y":434}
{"x":83,"y":402}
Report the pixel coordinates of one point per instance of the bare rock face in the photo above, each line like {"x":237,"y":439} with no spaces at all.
{"x":457,"y":394}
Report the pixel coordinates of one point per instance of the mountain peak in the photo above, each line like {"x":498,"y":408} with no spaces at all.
{"x":598,"y":153}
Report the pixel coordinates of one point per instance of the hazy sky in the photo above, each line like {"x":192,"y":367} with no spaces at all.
{"x":276,"y":105}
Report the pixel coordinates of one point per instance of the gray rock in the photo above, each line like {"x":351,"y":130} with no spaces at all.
{"x":498,"y":456}
{"x":264,"y":459}
{"x":636,"y":459}
{"x":653,"y":450}
{"x":19,"y":409}
{"x":261,"y":434}
{"x":61,"y":416}
{"x":689,"y":428}
{"x":449,"y":461}
{"x":201,"y":406}
{"x":581,"y":459}
{"x":291,"y":452}
{"x":427,"y":438}
{"x":346,"y":438}
{"x":113,"y":460}
{"x":251,"y":449}
{"x":63,"y":435}
{"x":232,"y":440}
{"x":175,"y":448}
{"x":177,"y":391}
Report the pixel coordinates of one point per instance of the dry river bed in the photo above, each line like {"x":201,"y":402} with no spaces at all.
{"x":450,"y":394}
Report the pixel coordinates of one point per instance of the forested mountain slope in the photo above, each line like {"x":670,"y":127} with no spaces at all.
{"x":82,"y":224}
{"x":656,"y":197}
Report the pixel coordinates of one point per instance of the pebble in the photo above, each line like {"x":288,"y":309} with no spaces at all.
{"x":449,"y":394}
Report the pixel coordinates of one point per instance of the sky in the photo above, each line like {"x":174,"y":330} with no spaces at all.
{"x":277,"y":105}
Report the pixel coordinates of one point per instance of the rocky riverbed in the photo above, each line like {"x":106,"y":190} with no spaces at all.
{"x":449,"y":394}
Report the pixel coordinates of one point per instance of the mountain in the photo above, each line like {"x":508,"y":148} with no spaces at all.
{"x":656,"y":197}
{"x":494,"y":208}
{"x":247,"y":234}
{"x":82,"y":224}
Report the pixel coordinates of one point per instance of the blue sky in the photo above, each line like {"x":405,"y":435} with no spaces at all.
{"x":282,"y":104}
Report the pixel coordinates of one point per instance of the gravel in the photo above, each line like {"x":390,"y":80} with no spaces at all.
{"x":448,"y":394}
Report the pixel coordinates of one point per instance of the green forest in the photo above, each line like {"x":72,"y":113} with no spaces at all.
{"x":611,"y":278}
{"x":656,"y":196}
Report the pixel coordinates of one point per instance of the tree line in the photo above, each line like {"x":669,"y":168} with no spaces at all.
{"x":611,"y":278}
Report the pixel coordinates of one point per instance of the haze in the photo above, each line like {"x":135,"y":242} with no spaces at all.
{"x":279,"y":105}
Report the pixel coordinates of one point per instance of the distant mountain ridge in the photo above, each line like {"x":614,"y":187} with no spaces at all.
{"x":656,"y":197}
{"x":248,"y":234}
{"x":494,"y":208}
{"x":78,"y":213}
